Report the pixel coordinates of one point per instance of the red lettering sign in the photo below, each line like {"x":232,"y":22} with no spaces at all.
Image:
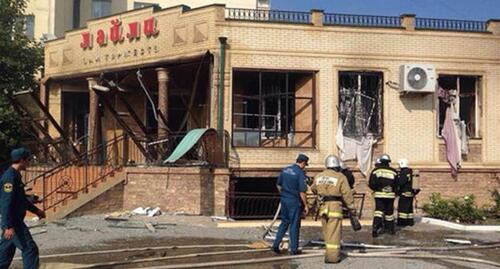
{"x":133,"y":30}
{"x":150,"y":27}
{"x":86,"y":40}
{"x":115,"y":32}
{"x":101,"y":37}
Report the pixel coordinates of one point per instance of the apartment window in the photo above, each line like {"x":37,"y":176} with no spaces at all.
{"x":273,"y":109}
{"x":101,"y":8}
{"x":142,"y":4}
{"x":466,"y":90}
{"x":29,"y":26}
{"x":76,"y":14}
{"x":360,"y":103}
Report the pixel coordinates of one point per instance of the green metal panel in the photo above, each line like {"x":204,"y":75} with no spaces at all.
{"x":186,"y":144}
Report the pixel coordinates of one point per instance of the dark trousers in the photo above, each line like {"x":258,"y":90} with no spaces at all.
{"x":383,"y":217}
{"x":23,"y":241}
{"x":405,"y":211}
{"x":291,"y":212}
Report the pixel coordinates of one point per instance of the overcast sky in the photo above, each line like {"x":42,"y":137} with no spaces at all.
{"x":452,"y":9}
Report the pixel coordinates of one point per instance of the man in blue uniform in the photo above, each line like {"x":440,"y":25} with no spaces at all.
{"x":13,"y":207}
{"x":292,"y":186}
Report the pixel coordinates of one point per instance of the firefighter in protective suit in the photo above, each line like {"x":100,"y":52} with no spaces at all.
{"x":383,"y":182}
{"x":332,"y":188}
{"x":406,"y":194}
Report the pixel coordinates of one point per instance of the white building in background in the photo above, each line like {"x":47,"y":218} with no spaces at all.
{"x":51,"y":18}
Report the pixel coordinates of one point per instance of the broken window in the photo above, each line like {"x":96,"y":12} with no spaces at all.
{"x":273,"y":109}
{"x":361,"y":103}
{"x":466,"y":88}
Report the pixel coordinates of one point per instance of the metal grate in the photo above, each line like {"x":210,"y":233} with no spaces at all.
{"x":362,"y":20}
{"x":268,"y":15}
{"x":450,"y":25}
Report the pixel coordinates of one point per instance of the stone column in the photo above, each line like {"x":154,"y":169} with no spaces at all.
{"x":408,"y":21}
{"x":317,"y":17}
{"x":493,"y":26}
{"x":163,"y":77}
{"x":93,"y":119}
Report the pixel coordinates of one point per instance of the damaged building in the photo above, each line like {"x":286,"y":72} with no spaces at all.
{"x":197,"y":110}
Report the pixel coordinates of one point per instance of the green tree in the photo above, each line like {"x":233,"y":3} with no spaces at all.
{"x":21,"y":59}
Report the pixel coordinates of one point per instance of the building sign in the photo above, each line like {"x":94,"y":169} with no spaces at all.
{"x":115,"y":34}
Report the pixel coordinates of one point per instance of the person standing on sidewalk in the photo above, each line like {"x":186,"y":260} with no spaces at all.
{"x":333,"y":190}
{"x":13,"y":207}
{"x":292,"y":187}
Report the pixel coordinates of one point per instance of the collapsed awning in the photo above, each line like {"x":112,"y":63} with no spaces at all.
{"x":187,"y":143}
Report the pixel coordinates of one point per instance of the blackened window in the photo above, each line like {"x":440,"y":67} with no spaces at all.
{"x":360,"y":103}
{"x":467,"y":105}
{"x":273,"y":109}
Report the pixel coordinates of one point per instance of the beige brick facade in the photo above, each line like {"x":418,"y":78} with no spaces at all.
{"x":410,"y":128}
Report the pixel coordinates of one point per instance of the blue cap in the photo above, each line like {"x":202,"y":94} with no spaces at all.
{"x":302,"y":158}
{"x":19,"y":154}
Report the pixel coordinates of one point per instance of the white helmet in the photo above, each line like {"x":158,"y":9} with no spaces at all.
{"x":332,"y":161}
{"x":403,"y":163}
{"x":385,"y":158}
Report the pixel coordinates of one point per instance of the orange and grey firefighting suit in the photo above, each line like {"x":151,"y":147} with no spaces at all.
{"x":332,"y":187}
{"x":383,"y":182}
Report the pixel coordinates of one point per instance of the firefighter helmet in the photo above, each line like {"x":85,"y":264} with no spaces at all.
{"x":403,"y":163}
{"x":332,"y":161}
{"x":385,"y":158}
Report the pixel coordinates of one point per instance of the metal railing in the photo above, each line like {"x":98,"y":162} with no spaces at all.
{"x":362,"y":20}
{"x":263,"y":205}
{"x":353,"y":20}
{"x":67,"y":180}
{"x":450,"y":25}
{"x":268,"y":15}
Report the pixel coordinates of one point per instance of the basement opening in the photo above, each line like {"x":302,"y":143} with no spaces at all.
{"x":252,"y":198}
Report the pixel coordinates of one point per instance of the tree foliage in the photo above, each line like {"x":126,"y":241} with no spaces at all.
{"x":21,"y":59}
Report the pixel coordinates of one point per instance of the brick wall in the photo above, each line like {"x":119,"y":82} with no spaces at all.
{"x":190,"y":190}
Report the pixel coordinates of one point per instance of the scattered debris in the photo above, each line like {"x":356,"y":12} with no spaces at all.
{"x":217,"y":218}
{"x":39,"y":232}
{"x":150,"y":227}
{"x":118,"y":216}
{"x":458,"y":241}
{"x":147,"y":211}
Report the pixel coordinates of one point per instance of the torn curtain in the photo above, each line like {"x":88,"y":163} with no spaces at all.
{"x":452,"y":142}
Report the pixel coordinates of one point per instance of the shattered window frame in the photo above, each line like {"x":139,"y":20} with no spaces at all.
{"x":364,"y":88}
{"x":473,"y":117}
{"x":291,"y":101}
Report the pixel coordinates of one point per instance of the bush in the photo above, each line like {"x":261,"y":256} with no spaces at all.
{"x":463,"y":209}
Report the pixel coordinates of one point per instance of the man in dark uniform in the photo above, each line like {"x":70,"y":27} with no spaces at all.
{"x":13,"y":207}
{"x":348,"y":174}
{"x":292,"y":186}
{"x":406,"y":193}
{"x":383,"y":182}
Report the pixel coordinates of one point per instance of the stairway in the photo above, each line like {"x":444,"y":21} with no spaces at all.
{"x":80,"y":199}
{"x":73,"y":184}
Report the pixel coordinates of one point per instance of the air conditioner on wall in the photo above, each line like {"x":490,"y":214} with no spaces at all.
{"x":418,"y":78}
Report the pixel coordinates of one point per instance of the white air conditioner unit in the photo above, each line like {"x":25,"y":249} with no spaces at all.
{"x":418,"y":78}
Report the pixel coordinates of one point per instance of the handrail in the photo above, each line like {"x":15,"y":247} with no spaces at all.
{"x":450,"y":25}
{"x":70,"y":178}
{"x":338,"y":19}
{"x":268,"y":15}
{"x":361,"y":20}
{"x":78,"y":159}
